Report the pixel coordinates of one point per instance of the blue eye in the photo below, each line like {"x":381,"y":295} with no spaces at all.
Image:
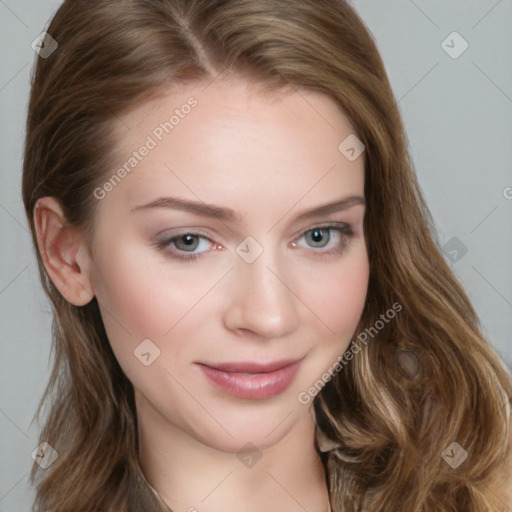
{"x":320,"y":236}
{"x":189,"y":241}
{"x":317,"y":238}
{"x":186,"y":243}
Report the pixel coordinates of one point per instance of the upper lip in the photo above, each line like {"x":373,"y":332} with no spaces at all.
{"x":251,"y":366}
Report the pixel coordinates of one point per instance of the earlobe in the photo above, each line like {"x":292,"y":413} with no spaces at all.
{"x":62,"y":251}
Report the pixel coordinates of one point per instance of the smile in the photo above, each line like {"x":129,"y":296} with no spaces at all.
{"x":252,"y":380}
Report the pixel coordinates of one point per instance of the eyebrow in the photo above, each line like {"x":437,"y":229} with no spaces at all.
{"x":229,"y":215}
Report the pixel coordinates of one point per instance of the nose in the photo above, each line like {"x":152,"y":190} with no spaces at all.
{"x":262,"y":298}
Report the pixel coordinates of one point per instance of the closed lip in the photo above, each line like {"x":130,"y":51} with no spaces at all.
{"x":251,"y":366}
{"x":251,"y":379}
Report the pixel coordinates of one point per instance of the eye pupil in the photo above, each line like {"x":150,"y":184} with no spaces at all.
{"x":316,"y":234}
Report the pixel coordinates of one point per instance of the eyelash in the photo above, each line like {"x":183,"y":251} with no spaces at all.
{"x":343,"y":229}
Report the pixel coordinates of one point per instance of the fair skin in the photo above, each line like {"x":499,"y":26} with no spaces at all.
{"x":269,"y":158}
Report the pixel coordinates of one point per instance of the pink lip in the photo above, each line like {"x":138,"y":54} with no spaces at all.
{"x":267,"y":380}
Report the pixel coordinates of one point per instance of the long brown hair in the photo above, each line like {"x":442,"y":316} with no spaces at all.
{"x":387,"y":429}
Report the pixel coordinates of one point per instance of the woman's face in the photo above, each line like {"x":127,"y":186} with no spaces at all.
{"x":186,"y":291}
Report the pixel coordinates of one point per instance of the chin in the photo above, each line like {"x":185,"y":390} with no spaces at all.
{"x":263,"y":423}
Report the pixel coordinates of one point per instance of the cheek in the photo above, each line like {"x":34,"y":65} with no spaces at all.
{"x":141,"y":299}
{"x":336,"y":294}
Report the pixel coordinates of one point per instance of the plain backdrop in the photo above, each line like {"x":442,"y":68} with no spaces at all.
{"x":457,"y":109}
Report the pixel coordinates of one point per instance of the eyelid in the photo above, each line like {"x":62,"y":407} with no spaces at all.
{"x":203,"y":233}
{"x":325,"y":225}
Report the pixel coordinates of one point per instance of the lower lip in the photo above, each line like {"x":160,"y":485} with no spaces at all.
{"x":256,"y":387}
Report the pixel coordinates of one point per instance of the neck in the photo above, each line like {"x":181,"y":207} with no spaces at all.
{"x":190,"y":476}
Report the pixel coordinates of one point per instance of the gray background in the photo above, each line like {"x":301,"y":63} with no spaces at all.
{"x":457,"y":114}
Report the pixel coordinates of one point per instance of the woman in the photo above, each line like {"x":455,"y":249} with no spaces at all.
{"x":316,"y":352}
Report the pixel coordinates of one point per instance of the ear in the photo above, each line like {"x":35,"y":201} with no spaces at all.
{"x":63,"y":251}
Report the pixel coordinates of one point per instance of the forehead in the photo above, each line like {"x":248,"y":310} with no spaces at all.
{"x":231,"y":139}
